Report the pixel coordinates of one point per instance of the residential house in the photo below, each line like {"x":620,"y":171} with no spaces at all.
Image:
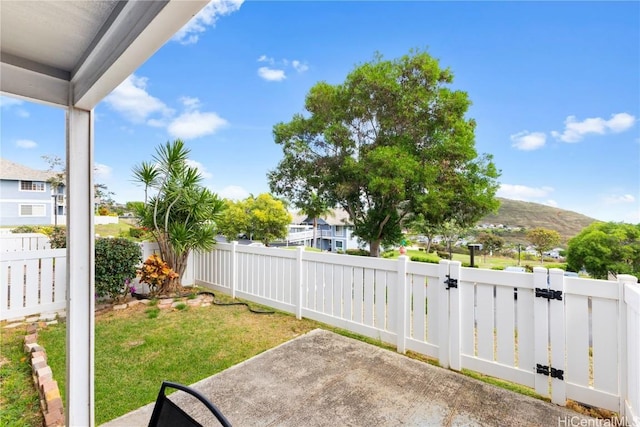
{"x":334,"y":232}
{"x":26,"y":198}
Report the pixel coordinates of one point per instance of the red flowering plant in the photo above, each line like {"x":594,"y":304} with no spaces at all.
{"x":155,"y":272}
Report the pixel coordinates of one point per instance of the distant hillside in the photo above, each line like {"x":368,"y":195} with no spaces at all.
{"x":515,"y":213}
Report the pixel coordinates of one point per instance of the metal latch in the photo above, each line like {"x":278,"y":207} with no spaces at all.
{"x":552,"y":372}
{"x":451,"y":283}
{"x":549,"y":294}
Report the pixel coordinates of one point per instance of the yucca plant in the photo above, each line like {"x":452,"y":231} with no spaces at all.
{"x":178,"y":211}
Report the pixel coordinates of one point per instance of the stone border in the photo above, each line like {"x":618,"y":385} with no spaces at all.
{"x":50,"y":399}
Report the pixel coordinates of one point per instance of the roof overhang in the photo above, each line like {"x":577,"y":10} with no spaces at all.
{"x":76,"y":52}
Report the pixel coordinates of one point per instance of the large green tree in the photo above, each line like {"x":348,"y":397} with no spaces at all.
{"x":606,"y":247}
{"x":179,"y":212}
{"x":263,"y":218}
{"x":490,"y":243}
{"x":393,"y":139}
{"x":542,"y":240}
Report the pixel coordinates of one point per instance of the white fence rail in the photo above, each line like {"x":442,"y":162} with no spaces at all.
{"x":23,"y":242}
{"x":32,"y":282}
{"x":579,"y":338}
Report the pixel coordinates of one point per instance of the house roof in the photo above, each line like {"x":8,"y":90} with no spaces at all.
{"x":15,"y":171}
{"x":336,"y":217}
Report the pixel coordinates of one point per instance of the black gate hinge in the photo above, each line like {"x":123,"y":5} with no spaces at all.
{"x":552,"y":372}
{"x":451,"y":283}
{"x":549,"y":294}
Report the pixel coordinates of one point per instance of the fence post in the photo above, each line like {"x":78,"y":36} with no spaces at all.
{"x":557,"y":339}
{"x":540,"y":331}
{"x":623,"y":346}
{"x":298,"y":284}
{"x":234,"y":268}
{"x":455,"y":320}
{"x":443,"y":315}
{"x":403,"y":307}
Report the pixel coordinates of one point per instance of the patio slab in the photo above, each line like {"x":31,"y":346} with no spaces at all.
{"x":324,"y":379}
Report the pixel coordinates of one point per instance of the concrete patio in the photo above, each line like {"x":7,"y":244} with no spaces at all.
{"x":324,"y":379}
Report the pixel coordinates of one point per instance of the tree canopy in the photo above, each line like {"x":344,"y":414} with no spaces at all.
{"x":180,"y":212}
{"x":263,"y":218}
{"x":606,"y":247}
{"x":543,"y":239}
{"x":391,"y":140}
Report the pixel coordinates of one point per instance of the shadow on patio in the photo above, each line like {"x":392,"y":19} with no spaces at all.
{"x":324,"y":379}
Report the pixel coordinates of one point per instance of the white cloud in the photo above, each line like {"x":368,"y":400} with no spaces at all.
{"x":550,"y":202}
{"x":201,"y":168}
{"x":233,"y":192}
{"x":275,"y":72}
{"x":194,"y":124}
{"x":271,"y":74}
{"x":299,"y":66}
{"x":528,"y":141}
{"x":207,"y":17}
{"x":619,"y":198}
{"x":522,"y":192}
{"x":26,"y":143}
{"x":190,"y":103}
{"x":8,"y":102}
{"x":132,"y":100}
{"x":575,"y":131}
{"x":101,"y":170}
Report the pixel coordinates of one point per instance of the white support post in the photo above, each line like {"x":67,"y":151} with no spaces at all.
{"x":540,"y":331}
{"x":628,"y":378}
{"x":455,"y":361}
{"x":557,"y":337}
{"x":80,"y":269}
{"x":443,"y":315}
{"x":299,"y":283}
{"x":403,"y":306}
{"x":234,"y":268}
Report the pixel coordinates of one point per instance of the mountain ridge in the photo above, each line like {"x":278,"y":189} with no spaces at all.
{"x":528,"y":215}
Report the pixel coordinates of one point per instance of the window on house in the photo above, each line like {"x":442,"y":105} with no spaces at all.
{"x":339,"y":245}
{"x":32,"y":210}
{"x":31,"y":186}
{"x":339,"y":230}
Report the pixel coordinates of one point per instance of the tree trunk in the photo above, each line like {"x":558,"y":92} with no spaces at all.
{"x":314,"y":244}
{"x":374,"y":248}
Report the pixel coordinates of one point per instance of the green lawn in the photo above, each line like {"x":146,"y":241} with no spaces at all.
{"x":134,"y":352}
{"x":481,"y":261}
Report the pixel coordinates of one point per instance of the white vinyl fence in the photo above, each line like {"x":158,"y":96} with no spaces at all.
{"x":567,"y":338}
{"x":32,"y":282}
{"x":23,"y":242}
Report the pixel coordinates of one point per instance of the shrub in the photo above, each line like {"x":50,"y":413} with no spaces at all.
{"x":116,"y":261}
{"x":136,"y":232}
{"x":58,"y":237}
{"x":155,"y":272}
{"x":560,"y":265}
{"x":359,"y":252}
{"x":26,"y":229}
{"x":443,"y":255}
{"x":498,"y":267}
{"x":388,"y":254}
{"x":417,"y":258}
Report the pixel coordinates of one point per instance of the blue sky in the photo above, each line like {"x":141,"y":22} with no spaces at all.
{"x":555,"y":88}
